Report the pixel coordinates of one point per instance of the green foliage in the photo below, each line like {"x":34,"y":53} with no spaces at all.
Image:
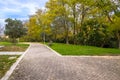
{"x":93,"y":33}
{"x":86,"y":22}
{"x":33,"y":29}
{"x":38,"y":27}
{"x":14,"y":29}
{"x":115,"y":29}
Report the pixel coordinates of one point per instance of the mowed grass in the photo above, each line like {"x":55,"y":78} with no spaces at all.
{"x":67,"y":49}
{"x":5,"y":63}
{"x":11,"y":47}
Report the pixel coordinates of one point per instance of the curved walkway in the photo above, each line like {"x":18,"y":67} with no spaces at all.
{"x":40,"y":63}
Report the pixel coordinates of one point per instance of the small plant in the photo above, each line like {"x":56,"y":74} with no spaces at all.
{"x":50,"y":43}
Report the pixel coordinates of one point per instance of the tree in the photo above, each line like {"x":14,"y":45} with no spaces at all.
{"x":34,"y":30}
{"x":14,"y":29}
{"x":57,"y":9}
{"x":44,"y":22}
{"x":115,"y":28}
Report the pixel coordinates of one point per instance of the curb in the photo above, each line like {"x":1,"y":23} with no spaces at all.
{"x":12,"y":68}
{"x":11,"y":53}
{"x":52,"y":50}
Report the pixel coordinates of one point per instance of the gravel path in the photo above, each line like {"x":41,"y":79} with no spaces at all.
{"x":40,"y":63}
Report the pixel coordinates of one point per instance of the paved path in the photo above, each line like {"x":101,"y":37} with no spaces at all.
{"x":40,"y":63}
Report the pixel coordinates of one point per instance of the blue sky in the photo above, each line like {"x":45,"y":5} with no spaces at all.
{"x":19,"y":9}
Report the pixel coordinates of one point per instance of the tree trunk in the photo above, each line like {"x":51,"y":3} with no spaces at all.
{"x":55,"y":35}
{"x":14,"y":41}
{"x":102,"y":45}
{"x":118,"y":37}
{"x":67,"y":30}
{"x":119,"y":44}
{"x":119,"y":41}
{"x":109,"y":18}
{"x":83,"y":14}
{"x":74,"y":27}
{"x":65,"y":24}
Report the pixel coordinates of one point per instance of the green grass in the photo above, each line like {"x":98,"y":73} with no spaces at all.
{"x":65,"y":49}
{"x":11,"y":47}
{"x":5,"y":63}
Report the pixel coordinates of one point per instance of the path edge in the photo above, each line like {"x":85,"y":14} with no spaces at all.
{"x":52,"y":50}
{"x":12,"y":68}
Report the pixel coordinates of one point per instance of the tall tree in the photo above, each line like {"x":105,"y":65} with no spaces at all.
{"x":57,"y":10}
{"x":14,"y":29}
{"x":34,"y":30}
{"x":73,"y":5}
{"x":115,"y":28}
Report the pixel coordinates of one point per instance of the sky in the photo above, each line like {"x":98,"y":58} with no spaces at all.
{"x":19,"y":9}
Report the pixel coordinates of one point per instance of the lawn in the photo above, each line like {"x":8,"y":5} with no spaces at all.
{"x":67,"y":49}
{"x":5,"y":63}
{"x":11,"y":47}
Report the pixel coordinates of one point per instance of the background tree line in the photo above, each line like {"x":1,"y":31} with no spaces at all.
{"x":84,"y":22}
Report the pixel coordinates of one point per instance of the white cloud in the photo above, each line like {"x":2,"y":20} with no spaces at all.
{"x":19,"y":9}
{"x":2,"y":22}
{"x":6,"y":9}
{"x":31,"y":7}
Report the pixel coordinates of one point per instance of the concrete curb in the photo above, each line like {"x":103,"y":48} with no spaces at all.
{"x":12,"y":68}
{"x":83,"y":56}
{"x":52,"y":50}
{"x":11,"y":53}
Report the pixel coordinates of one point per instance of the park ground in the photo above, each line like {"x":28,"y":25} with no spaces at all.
{"x":77,"y":50}
{"x":69,"y":66}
